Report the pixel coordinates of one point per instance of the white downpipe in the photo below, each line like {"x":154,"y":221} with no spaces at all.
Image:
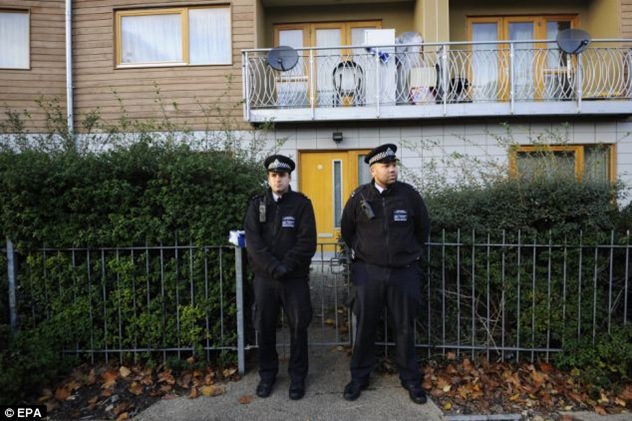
{"x":69,"y":90}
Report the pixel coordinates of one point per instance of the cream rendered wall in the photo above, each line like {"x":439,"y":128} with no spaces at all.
{"x":432,"y":19}
{"x":604,"y":20}
{"x":474,"y":139}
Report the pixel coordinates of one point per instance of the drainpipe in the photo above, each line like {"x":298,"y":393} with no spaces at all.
{"x":69,"y":102}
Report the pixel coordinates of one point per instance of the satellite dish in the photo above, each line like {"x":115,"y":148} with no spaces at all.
{"x":282,"y":58}
{"x":573,"y":41}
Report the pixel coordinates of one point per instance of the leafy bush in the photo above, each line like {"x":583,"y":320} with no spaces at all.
{"x":98,"y":199}
{"x":559,"y":207}
{"x":519,"y":264}
{"x":145,"y":192}
{"x":28,"y":361}
{"x":602,"y":361}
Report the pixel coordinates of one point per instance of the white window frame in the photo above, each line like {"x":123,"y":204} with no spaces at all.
{"x":26,"y":12}
{"x":183,"y":12}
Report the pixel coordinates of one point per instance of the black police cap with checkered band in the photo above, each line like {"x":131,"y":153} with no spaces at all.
{"x":279,"y":163}
{"x":382,"y":153}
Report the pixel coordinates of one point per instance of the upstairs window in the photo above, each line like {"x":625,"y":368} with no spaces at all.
{"x":14,"y":39}
{"x":174,"y":36}
{"x":540,"y":71}
{"x":583,"y":162}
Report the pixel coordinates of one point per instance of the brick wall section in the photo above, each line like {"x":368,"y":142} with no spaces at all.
{"x":20,"y":88}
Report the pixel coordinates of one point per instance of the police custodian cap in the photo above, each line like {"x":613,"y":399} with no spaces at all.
{"x":383,"y":153}
{"x":279,"y":163}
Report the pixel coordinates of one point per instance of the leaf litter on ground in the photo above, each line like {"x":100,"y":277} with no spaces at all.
{"x":121,"y":392}
{"x":457,"y":386}
{"x":465,"y":387}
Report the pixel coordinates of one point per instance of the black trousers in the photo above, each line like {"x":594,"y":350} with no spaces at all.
{"x":292,"y":295}
{"x":399,"y":289}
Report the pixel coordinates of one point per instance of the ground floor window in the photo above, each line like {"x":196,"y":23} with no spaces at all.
{"x":583,"y":162}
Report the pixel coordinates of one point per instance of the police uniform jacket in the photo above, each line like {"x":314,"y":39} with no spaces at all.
{"x":397,"y":233}
{"x":285,"y":243}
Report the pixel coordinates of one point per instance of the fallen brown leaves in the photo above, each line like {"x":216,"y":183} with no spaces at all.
{"x":246,"y":399}
{"x":485,"y":388}
{"x":457,"y":386}
{"x":120,"y":392}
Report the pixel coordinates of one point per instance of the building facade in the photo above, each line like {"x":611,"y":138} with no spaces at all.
{"x":439,"y":78}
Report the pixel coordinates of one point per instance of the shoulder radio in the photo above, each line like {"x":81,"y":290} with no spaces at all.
{"x":262,"y":211}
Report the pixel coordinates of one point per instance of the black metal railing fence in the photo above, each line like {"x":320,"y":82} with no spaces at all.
{"x":509,"y":296}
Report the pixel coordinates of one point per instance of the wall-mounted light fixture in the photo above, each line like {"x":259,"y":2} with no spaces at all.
{"x":336,"y":137}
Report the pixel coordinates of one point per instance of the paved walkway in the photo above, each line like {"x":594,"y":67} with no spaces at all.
{"x":385,"y":399}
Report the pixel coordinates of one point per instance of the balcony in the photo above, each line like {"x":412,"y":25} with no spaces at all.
{"x":456,"y":79}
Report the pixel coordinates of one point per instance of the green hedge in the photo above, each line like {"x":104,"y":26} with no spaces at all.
{"x":546,"y":297}
{"x":142,"y":193}
{"x":559,"y":206}
{"x":112,"y":188}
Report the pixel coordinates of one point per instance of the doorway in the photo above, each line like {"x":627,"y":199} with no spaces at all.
{"x":328,"y":178}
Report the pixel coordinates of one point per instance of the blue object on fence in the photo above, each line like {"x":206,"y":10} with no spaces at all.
{"x":238,"y":238}
{"x":384,"y":57}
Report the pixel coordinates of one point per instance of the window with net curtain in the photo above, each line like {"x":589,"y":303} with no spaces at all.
{"x":158,"y":37}
{"x":14,"y":39}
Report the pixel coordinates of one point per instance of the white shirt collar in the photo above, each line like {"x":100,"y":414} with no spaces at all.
{"x":379,"y":188}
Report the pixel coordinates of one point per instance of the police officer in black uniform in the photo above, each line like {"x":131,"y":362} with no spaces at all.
{"x":385,"y":223}
{"x":281,"y":240}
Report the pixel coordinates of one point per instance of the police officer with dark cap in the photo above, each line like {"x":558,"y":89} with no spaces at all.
{"x":385,"y":224}
{"x":281,"y":240}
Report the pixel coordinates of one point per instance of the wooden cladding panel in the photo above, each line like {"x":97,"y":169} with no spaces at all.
{"x":96,"y":78}
{"x":626,"y":18}
{"x":47,"y":74}
{"x":95,"y":75}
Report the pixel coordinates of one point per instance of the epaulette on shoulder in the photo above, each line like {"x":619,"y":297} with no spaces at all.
{"x":303,"y":195}
{"x":359,"y":189}
{"x":257,"y":197}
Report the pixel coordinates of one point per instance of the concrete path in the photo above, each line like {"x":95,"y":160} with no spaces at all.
{"x":385,"y":399}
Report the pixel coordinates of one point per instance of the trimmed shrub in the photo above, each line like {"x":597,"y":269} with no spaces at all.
{"x":118,"y":186}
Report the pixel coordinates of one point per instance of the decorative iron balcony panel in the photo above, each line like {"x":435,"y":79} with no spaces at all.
{"x":439,"y":80}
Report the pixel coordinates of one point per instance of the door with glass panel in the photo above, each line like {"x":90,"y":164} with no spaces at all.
{"x":327,"y":35}
{"x":558,"y":68}
{"x":328,"y":178}
{"x":537,"y":66}
{"x":522,"y":31}
{"x":292,"y":86}
{"x":491,"y":63}
{"x":485,"y":76}
{"x":338,"y":75}
{"x":340,"y":72}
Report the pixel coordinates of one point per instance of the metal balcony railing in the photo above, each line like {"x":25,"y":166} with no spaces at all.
{"x":519,"y":77}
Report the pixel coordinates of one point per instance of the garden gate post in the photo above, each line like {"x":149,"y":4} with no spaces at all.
{"x":12,"y":285}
